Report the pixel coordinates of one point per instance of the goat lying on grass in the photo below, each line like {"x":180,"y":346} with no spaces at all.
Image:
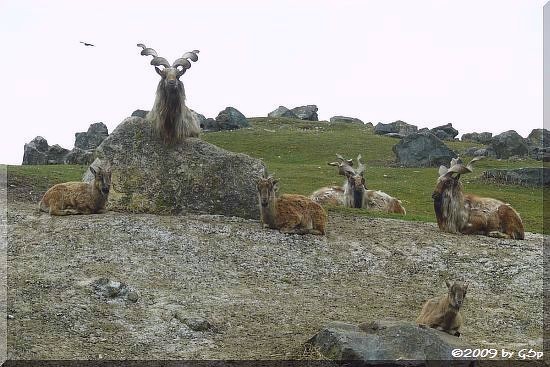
{"x":170,"y":116}
{"x":457,"y":212}
{"x":354,"y":193}
{"x":78,"y":197}
{"x":443,"y":313}
{"x":289,"y":213}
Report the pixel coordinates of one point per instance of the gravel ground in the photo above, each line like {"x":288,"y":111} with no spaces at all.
{"x":127,"y":286}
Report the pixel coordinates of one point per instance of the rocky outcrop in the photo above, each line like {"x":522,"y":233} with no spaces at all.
{"x":92,"y":138}
{"x":509,"y":144}
{"x":308,"y":112}
{"x":37,"y":151}
{"x":422,"y":150}
{"x":538,"y":143}
{"x":140,"y":113}
{"x":228,"y":119}
{"x":387,"y":341}
{"x":345,"y":119}
{"x":533,"y":176}
{"x":445,"y":132}
{"x":193,"y":176}
{"x":397,"y":128}
{"x":482,"y":138}
{"x":282,"y":111}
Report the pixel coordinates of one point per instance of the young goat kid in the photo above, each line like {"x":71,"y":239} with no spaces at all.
{"x":170,"y":116}
{"x":78,"y":197}
{"x":289,"y":213}
{"x":457,"y":212}
{"x":443,"y":313}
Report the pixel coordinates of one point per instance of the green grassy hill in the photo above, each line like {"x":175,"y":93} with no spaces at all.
{"x":297,"y":152}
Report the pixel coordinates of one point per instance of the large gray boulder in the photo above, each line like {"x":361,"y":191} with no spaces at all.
{"x":193,"y":176}
{"x":91,"y":139}
{"x":36,"y":151}
{"x":509,"y":144}
{"x":445,"y":132}
{"x":393,"y":342}
{"x":533,"y":176}
{"x":282,"y":111}
{"x":539,"y":138}
{"x":308,"y":112}
{"x":200,"y":119}
{"x":483,"y":138}
{"x":80,"y":156}
{"x":422,"y":150}
{"x":397,"y":128}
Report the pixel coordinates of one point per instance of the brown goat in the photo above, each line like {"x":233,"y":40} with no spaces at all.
{"x":289,"y":213}
{"x":457,"y":212}
{"x":78,"y":197}
{"x":170,"y":116}
{"x":354,"y":193}
{"x":443,"y":313}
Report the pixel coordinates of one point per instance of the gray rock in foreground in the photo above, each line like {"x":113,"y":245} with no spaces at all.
{"x":533,"y":176}
{"x":193,"y":176}
{"x":422,"y":150}
{"x":387,"y":341}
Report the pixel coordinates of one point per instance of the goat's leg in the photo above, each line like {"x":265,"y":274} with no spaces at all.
{"x":57,"y":211}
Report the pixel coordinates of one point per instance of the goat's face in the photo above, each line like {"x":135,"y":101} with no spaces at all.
{"x":102,"y":180}
{"x":267,"y":187}
{"x":358,"y":186}
{"x":457,"y":293}
{"x":170,"y":77}
{"x":444,"y":183}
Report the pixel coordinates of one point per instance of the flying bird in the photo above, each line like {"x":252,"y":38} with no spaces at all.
{"x":87,"y":44}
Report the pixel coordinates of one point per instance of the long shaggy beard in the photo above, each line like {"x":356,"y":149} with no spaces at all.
{"x":171,"y":118}
{"x":451,"y":206}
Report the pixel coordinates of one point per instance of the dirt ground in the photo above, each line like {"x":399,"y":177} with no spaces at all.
{"x":261,"y":294}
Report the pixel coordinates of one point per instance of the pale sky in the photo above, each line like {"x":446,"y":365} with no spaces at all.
{"x":474,"y":63}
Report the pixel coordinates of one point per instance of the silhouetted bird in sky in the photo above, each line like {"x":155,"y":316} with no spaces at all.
{"x":87,"y":44}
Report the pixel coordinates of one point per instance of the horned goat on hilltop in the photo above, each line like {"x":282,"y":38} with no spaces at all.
{"x":78,"y":197}
{"x":457,"y":212}
{"x":170,"y":116}
{"x":354,"y":193}
{"x":443,"y":313}
{"x":289,"y":213}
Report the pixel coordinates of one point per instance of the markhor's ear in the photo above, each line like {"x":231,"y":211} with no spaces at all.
{"x":159,"y":72}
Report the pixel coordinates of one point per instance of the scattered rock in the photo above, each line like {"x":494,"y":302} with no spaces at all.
{"x":308,"y":112}
{"x":508,"y":144}
{"x":92,"y":138}
{"x":386,"y":341}
{"x":133,"y":296}
{"x":10,"y":317}
{"x":422,"y":150}
{"x":536,"y":176}
{"x":192,"y":176}
{"x":56,"y":154}
{"x":539,"y":138}
{"x":36,"y":151}
{"x":445,"y":132}
{"x":194,"y":323}
{"x":397,"y":127}
{"x":110,"y":289}
{"x":345,"y":119}
{"x":482,"y":138}
{"x":282,"y":111}
{"x":231,"y":118}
